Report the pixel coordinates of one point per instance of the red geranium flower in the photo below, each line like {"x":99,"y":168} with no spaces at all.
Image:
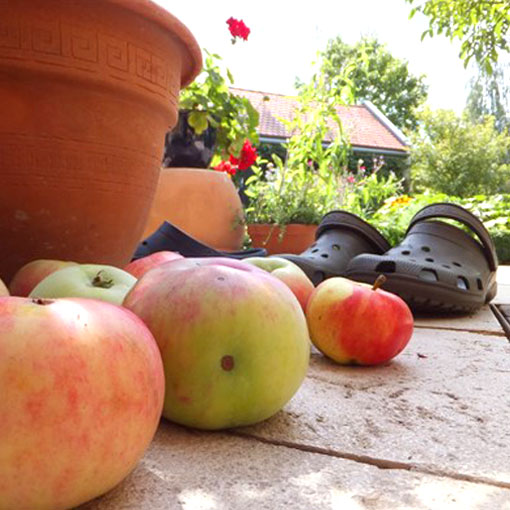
{"x":226,"y":166}
{"x":247,"y":157}
{"x":238,"y":29}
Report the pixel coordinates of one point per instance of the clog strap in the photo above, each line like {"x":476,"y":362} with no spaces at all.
{"x":458,"y":213}
{"x":344,"y":219}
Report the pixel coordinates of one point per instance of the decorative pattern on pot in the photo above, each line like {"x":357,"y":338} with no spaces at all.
{"x":88,"y":91}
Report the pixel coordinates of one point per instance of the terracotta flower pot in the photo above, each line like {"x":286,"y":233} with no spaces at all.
{"x":296,"y":238}
{"x":88,"y":90}
{"x":203,"y":203}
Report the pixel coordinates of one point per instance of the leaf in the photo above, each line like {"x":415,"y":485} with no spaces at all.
{"x":198,"y":121}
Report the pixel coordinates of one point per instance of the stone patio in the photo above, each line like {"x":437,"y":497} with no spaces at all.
{"x":428,"y":431}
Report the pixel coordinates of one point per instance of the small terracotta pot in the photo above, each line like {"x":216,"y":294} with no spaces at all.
{"x":88,"y":90}
{"x":203,"y":203}
{"x":295,"y":238}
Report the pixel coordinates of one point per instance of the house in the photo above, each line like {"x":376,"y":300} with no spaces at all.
{"x":369,"y":131}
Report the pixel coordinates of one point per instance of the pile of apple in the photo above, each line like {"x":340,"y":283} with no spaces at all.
{"x":92,"y":355}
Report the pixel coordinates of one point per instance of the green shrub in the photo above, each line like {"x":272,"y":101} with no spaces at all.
{"x":393,"y":218}
{"x":453,"y":155}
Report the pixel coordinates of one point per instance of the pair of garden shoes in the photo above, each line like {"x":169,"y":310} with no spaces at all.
{"x":438,"y":267}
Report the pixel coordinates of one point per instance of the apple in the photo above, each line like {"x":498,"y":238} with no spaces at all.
{"x":233,"y":339}
{"x":94,"y":281}
{"x":82,"y":392}
{"x":4,"y":291}
{"x":356,"y":323}
{"x":140,"y":266}
{"x":289,"y":273}
{"x":28,"y":276}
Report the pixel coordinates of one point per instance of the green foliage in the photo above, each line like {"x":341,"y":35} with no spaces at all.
{"x":377,"y":76}
{"x":490,"y":95}
{"x":314,"y":178}
{"x":481,"y":26}
{"x":212,"y":103}
{"x":393,"y":218}
{"x":302,"y":187}
{"x":452,"y":155}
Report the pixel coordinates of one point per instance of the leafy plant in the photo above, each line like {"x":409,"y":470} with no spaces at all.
{"x":212,"y":103}
{"x":302,"y":187}
{"x":314,"y":178}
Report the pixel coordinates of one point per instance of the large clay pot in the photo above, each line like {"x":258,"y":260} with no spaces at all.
{"x":203,"y":203}
{"x":293,"y":238}
{"x":88,"y":90}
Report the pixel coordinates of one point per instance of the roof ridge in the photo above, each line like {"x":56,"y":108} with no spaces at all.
{"x":263,"y":93}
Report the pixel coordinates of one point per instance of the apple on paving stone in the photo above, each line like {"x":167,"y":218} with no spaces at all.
{"x":356,"y":323}
{"x":289,"y":273}
{"x":140,"y":266}
{"x":29,"y":275}
{"x":94,"y":281}
{"x":233,"y":339}
{"x":82,"y":388}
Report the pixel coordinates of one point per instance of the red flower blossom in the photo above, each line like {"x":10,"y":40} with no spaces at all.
{"x":238,"y":29}
{"x":351,"y":179}
{"x":247,"y":157}
{"x":226,"y":166}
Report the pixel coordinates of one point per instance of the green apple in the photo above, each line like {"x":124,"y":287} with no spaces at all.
{"x":93,"y":281}
{"x":233,"y":339}
{"x":289,"y":273}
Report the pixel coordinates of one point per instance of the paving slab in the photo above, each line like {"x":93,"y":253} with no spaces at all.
{"x":189,"y":470}
{"x":442,"y":406}
{"x":482,"y":321}
{"x":503,"y":295}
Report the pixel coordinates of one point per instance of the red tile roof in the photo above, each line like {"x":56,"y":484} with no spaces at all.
{"x":359,"y":122}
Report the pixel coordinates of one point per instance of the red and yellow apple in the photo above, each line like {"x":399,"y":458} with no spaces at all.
{"x":93,"y":281}
{"x":289,"y":273}
{"x":233,"y":338}
{"x":140,"y":266}
{"x":28,"y":276}
{"x":82,"y":389}
{"x":356,"y":323}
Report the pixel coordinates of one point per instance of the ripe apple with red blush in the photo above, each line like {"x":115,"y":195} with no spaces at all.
{"x":140,"y":266}
{"x":82,"y":391}
{"x":356,"y":323}
{"x":29,"y":275}
{"x":233,"y":339}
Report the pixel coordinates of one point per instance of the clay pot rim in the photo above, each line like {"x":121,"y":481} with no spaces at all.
{"x":192,"y":65}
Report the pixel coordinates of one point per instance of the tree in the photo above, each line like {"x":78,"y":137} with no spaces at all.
{"x":451,"y":154}
{"x":490,"y":95}
{"x":377,"y":76}
{"x":481,"y":25}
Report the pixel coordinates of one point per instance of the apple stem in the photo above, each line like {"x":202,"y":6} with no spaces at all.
{"x":100,"y":281}
{"x":379,"y":282}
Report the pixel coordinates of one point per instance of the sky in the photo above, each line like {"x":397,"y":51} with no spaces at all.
{"x":286,"y":36}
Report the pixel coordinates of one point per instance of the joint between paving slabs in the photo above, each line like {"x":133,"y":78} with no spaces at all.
{"x":374,"y":461}
{"x":484,"y":332}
